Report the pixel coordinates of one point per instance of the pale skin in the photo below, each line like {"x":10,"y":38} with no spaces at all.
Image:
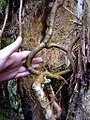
{"x":12,"y":61}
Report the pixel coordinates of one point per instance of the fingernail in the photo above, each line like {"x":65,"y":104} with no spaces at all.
{"x":40,"y":59}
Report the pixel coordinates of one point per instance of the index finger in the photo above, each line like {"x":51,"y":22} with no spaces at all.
{"x":7,"y":51}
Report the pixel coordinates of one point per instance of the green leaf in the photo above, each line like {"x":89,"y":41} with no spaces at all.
{"x":52,"y":71}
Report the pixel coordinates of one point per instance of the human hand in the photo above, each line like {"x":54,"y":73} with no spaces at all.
{"x":11,"y":61}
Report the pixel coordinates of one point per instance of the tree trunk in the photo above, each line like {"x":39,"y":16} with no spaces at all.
{"x":79,"y":100}
{"x":33,"y":32}
{"x":72,"y":99}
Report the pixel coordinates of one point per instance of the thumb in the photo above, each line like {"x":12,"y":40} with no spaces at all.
{"x":7,"y":51}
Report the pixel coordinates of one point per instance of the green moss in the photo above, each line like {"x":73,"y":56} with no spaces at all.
{"x":2,"y":5}
{"x":53,"y":71}
{"x":6,"y":42}
{"x":2,"y":118}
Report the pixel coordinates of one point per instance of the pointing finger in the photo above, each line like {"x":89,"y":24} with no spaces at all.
{"x":7,"y":51}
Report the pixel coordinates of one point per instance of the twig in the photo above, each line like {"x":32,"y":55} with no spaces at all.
{"x":59,"y":89}
{"x":73,"y":43}
{"x":63,"y":72}
{"x":41,"y":79}
{"x":58,"y":109}
{"x":74,"y":48}
{"x":57,"y":67}
{"x":51,"y":21}
{"x":56,"y":94}
{"x":69,"y":53}
{"x":71,"y":33}
{"x":56,"y":46}
{"x":76,"y":22}
{"x":54,"y":104}
{"x":6,"y":17}
{"x":71,"y":13}
{"x":5,"y":20}
{"x":20,"y":21}
{"x":46,"y":38}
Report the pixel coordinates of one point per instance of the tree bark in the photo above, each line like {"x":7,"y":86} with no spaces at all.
{"x":78,"y":109}
{"x":72,"y":99}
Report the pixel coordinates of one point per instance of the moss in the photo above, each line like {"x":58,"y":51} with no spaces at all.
{"x":2,"y":118}
{"x":2,"y":4}
{"x":6,"y":42}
